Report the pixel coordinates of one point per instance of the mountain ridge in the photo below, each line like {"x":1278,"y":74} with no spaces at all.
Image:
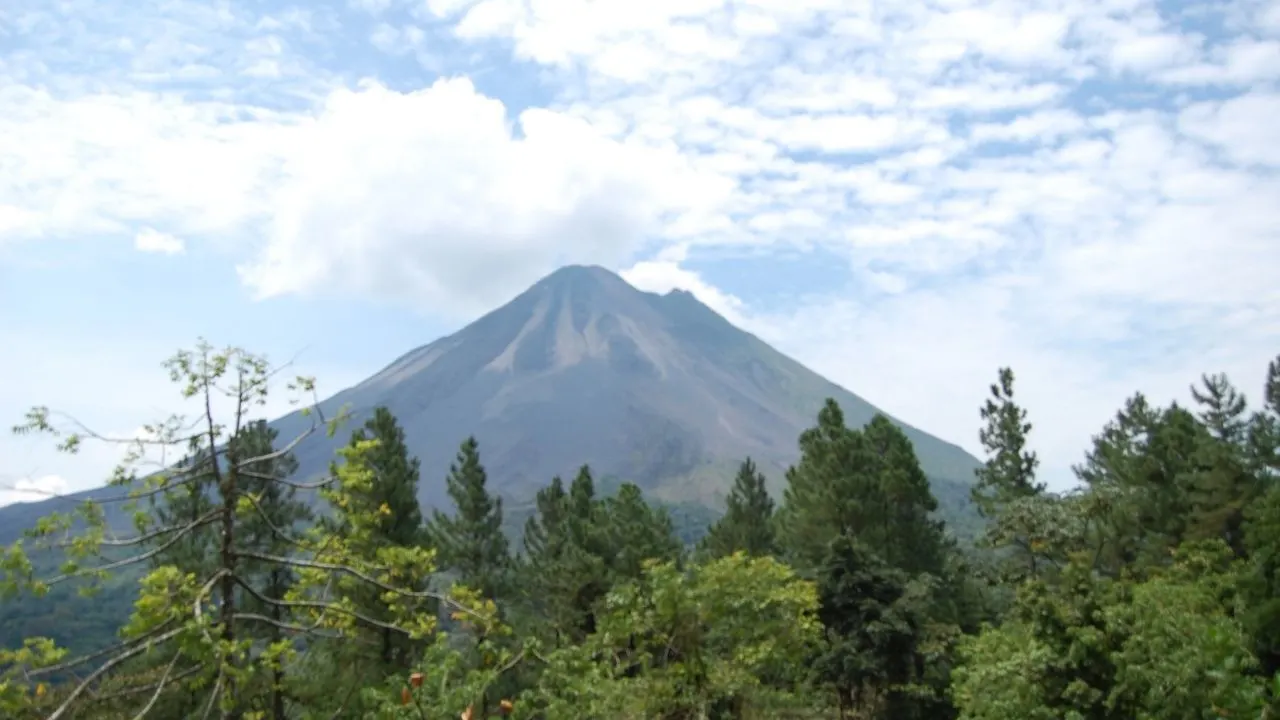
{"x":583,"y":368}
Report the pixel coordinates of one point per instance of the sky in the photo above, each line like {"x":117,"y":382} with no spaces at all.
{"x":904,"y":196}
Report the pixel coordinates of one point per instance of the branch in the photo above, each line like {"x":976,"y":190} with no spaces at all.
{"x":332,"y":567}
{"x":79,"y":690}
{"x":289,"y":483}
{"x":213,"y":696}
{"x":314,"y":605}
{"x":136,"y":558}
{"x":275,"y":529}
{"x":50,"y":669}
{"x":164,"y":680}
{"x":148,"y":686}
{"x":207,"y":517}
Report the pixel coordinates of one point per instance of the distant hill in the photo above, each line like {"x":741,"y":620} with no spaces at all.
{"x":584,"y":368}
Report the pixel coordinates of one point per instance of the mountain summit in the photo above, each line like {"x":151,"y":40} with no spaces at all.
{"x":584,"y":368}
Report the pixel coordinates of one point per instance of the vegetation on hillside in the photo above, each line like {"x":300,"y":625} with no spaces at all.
{"x":1149,"y":592}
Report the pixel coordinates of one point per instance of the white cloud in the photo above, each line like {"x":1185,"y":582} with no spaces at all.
{"x":153,"y":241}
{"x":430,"y":197}
{"x":31,"y":489}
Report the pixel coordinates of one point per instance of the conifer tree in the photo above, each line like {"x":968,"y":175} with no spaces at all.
{"x":636,"y":532}
{"x":866,"y":484}
{"x":391,"y":497}
{"x":395,"y":482}
{"x":1223,"y":484}
{"x":747,"y":524}
{"x":1010,"y":470}
{"x":276,"y":517}
{"x":545,"y":541}
{"x":565,"y":568}
{"x":471,"y":541}
{"x":910,"y":539}
{"x":828,"y":491}
{"x":1006,"y":486}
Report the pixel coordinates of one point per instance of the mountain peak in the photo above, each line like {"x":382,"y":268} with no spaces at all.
{"x":581,"y":277}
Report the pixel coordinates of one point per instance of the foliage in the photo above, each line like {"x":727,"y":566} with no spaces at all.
{"x":1147,"y":593}
{"x":747,"y":524}
{"x":471,"y":542}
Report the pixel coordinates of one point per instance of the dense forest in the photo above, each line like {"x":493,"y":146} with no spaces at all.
{"x":1152,"y":591}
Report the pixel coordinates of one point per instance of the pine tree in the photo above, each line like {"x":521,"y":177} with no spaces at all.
{"x":866,"y":484}
{"x":830,"y":491}
{"x":1006,"y":482}
{"x":1009,"y":472}
{"x":910,"y":539}
{"x":566,"y":564}
{"x":1223,"y":485}
{"x":471,"y":542}
{"x":186,"y":504}
{"x":392,"y":497}
{"x":636,"y":532}
{"x":275,"y":519}
{"x":747,"y":524}
{"x":395,"y":483}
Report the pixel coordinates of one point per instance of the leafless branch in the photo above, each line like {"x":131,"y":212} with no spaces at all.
{"x":315,"y":605}
{"x":148,"y":687}
{"x":164,"y":680}
{"x":106,"y":668}
{"x":136,"y":558}
{"x":333,"y":567}
{"x":90,"y":657}
{"x":275,"y":529}
{"x":188,"y":527}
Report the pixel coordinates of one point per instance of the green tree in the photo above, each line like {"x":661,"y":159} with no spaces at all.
{"x":203,"y":624}
{"x":1008,"y":477}
{"x":1145,"y":463}
{"x":747,"y":524}
{"x":874,"y":619}
{"x":392,"y":498}
{"x":271,"y":528}
{"x":471,"y":542}
{"x":727,"y":639}
{"x":1089,"y":647}
{"x":866,"y":484}
{"x":636,"y":532}
{"x":830,"y":491}
{"x":565,"y":571}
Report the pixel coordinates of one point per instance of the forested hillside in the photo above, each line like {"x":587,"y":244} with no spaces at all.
{"x":1149,"y":592}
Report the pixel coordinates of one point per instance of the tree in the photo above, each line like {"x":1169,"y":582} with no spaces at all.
{"x":392,"y":498}
{"x":636,"y":533}
{"x":204,"y":624}
{"x":829,"y":492}
{"x":725,"y":639}
{"x":276,"y":519}
{"x":1090,"y":647}
{"x":1008,"y":475}
{"x":471,"y":542}
{"x":865,"y":484}
{"x":874,"y":625}
{"x":747,"y":525}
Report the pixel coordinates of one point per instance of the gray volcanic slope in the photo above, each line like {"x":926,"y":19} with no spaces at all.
{"x":583,"y":368}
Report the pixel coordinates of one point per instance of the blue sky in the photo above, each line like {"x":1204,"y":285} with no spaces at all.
{"x":904,"y":196}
